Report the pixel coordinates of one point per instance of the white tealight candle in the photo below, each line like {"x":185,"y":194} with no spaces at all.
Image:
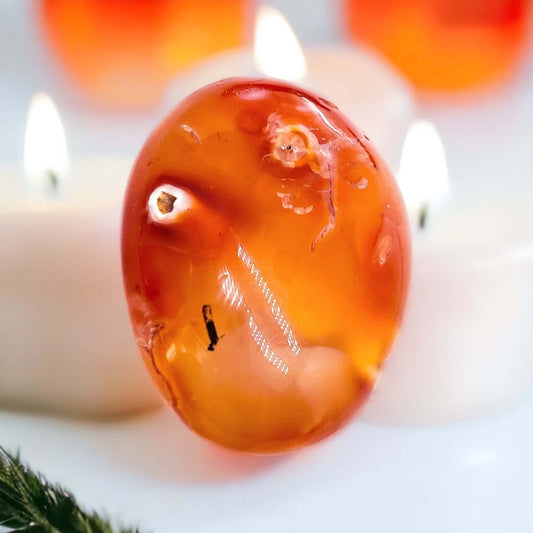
{"x":65,"y":338}
{"x":369,"y":92}
{"x":466,"y":344}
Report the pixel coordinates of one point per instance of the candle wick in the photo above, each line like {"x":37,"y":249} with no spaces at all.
{"x":53,"y":179}
{"x":422,"y":216}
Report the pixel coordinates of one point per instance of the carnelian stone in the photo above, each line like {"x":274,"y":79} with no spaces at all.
{"x":123,"y":53}
{"x":444,"y":44}
{"x":266,"y":258}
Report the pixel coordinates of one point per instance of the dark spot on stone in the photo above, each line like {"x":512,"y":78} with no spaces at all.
{"x":210,"y":327}
{"x":165,"y":202}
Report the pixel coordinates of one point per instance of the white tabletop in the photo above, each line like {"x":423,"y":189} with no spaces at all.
{"x":152,"y":471}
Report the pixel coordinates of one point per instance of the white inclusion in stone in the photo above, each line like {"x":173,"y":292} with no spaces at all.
{"x":360,"y":184}
{"x":192,"y":132}
{"x":383,"y":249}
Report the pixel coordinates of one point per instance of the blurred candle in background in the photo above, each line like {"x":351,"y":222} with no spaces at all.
{"x":65,"y":338}
{"x":465,"y":347}
{"x":122,"y":53}
{"x":444,"y":44}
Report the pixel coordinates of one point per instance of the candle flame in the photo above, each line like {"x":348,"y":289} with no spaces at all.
{"x":423,"y":174}
{"x":277,"y":52}
{"x":45,"y":147}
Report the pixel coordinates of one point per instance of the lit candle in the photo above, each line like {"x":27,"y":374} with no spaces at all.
{"x":370,"y":93}
{"x":65,"y":342}
{"x":466,"y":344}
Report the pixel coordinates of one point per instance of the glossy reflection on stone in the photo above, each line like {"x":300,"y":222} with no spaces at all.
{"x":266,"y":261}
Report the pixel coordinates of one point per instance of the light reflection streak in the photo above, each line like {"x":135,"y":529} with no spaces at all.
{"x":235,"y":298}
{"x":271,"y":300}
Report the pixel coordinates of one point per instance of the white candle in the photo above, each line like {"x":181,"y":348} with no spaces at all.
{"x":65,"y":338}
{"x":466,"y":344}
{"x":369,"y":92}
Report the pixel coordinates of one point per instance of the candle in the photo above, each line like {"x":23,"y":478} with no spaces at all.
{"x":370,"y":93}
{"x":65,"y":342}
{"x":123,"y":53}
{"x":444,"y":44}
{"x":466,"y":343}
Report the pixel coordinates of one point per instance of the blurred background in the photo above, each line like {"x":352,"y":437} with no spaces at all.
{"x":444,"y":88}
{"x":109,"y":65}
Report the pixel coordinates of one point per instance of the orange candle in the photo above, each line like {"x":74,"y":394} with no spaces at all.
{"x":123,"y":52}
{"x":444,"y":44}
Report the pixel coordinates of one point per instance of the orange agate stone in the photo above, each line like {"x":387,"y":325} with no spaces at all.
{"x":266,"y":258}
{"x":444,"y":44}
{"x":122,"y":53}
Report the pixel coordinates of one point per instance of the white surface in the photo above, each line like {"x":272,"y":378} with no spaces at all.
{"x":475,"y":477}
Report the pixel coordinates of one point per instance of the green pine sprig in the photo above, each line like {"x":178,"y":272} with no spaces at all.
{"x":31,"y":504}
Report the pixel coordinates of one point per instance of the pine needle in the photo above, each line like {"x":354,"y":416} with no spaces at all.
{"x":31,"y":504}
